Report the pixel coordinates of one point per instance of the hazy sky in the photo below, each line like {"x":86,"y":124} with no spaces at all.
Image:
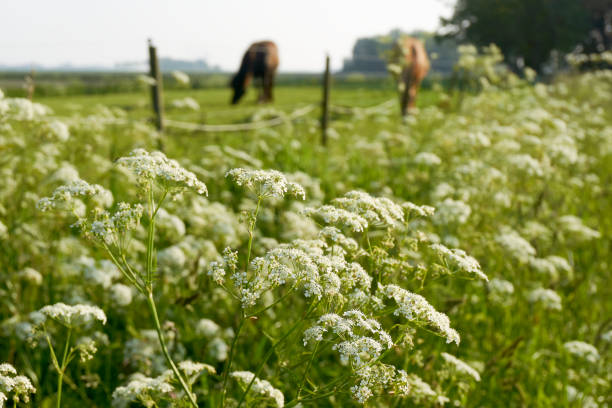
{"x":102,"y":32}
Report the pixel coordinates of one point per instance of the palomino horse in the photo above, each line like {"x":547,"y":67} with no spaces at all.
{"x":259,"y":61}
{"x":415,"y":67}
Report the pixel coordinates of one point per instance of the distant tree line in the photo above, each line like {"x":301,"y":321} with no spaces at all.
{"x":530,"y":31}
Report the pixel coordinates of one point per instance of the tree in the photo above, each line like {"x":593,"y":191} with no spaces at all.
{"x":526,"y":30}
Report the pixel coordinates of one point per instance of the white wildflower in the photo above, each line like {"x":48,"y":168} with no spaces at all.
{"x":73,"y":316}
{"x":451,"y":211}
{"x":155,"y":167}
{"x":376,"y":210}
{"x":515,"y":245}
{"x":420,"y":210}
{"x":207,"y":328}
{"x":427,"y":159}
{"x":548,"y":298}
{"x":142,"y":389}
{"x":416,"y":308}
{"x":260,"y":387}
{"x":460,"y":366}
{"x":338,"y":216}
{"x":459,"y":259}
{"x":64,"y":196}
{"x":582,"y":350}
{"x":121,"y":294}
{"x":573,"y":227}
{"x":180,"y":77}
{"x":266,"y":183}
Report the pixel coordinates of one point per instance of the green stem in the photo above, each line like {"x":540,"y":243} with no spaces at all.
{"x":271,"y":351}
{"x":162,"y":343}
{"x":251,"y":229}
{"x":150,"y":239}
{"x":306,"y":370}
{"x":229,"y":362}
{"x":60,"y":378}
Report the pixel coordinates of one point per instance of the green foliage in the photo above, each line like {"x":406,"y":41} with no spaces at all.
{"x":518,"y":176}
{"x":523,"y":29}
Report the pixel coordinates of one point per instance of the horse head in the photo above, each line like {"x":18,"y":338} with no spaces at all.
{"x":237,"y":84}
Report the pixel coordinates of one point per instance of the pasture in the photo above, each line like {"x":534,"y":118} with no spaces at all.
{"x":460,"y":257}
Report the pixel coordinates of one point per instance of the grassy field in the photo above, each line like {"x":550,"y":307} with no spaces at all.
{"x":333,"y":283}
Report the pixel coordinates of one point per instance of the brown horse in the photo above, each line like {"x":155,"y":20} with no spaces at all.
{"x":259,"y":61}
{"x":415,"y":68}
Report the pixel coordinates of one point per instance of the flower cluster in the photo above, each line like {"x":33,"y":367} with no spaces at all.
{"x":260,"y":387}
{"x":73,"y":316}
{"x":376,"y":210}
{"x":156,"y":168}
{"x":18,"y":385}
{"x":266,"y":183}
{"x":417,"y":309}
{"x":460,"y":366}
{"x":64,"y":197}
{"x":457,"y":258}
{"x":353,"y":326}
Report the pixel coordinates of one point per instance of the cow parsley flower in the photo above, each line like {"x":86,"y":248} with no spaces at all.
{"x":266,"y":183}
{"x":548,"y":298}
{"x":416,"y":308}
{"x":573,"y":227}
{"x":121,"y":294}
{"x":427,"y":159}
{"x":143,"y":389}
{"x":338,"y":216}
{"x":500,"y":290}
{"x":582,"y":350}
{"x":356,"y":331}
{"x":63,"y":198}
{"x":459,"y":259}
{"x":260,"y":387}
{"x":460,"y":366}
{"x":376,"y":210}
{"x":451,"y":211}
{"x":190,"y":368}
{"x":156,"y":168}
{"x":515,"y":245}
{"x":180,"y":77}
{"x":73,"y":316}
{"x":18,"y":385}
{"x":419,"y":210}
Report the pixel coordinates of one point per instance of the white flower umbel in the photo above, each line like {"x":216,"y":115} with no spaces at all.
{"x":261,"y":387}
{"x":376,"y":210}
{"x":64,"y":197}
{"x":417,"y":309}
{"x":548,"y":298}
{"x":515,"y":245}
{"x":460,"y":366}
{"x":148,"y":391}
{"x":458,"y":259}
{"x":419,"y":210}
{"x":156,"y":168}
{"x":18,"y":387}
{"x":364,"y":339}
{"x":266,"y":183}
{"x":582,"y":350}
{"x":339,"y":217}
{"x":74,"y":316}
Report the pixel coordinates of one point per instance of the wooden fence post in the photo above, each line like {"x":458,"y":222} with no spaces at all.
{"x":325,"y":103}
{"x":156,"y":91}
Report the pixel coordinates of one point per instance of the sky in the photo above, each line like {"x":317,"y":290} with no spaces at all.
{"x":104,"y":32}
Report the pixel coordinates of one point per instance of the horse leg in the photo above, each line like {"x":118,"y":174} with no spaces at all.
{"x":405,"y":100}
{"x":412,"y":96}
{"x":270,"y":86}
